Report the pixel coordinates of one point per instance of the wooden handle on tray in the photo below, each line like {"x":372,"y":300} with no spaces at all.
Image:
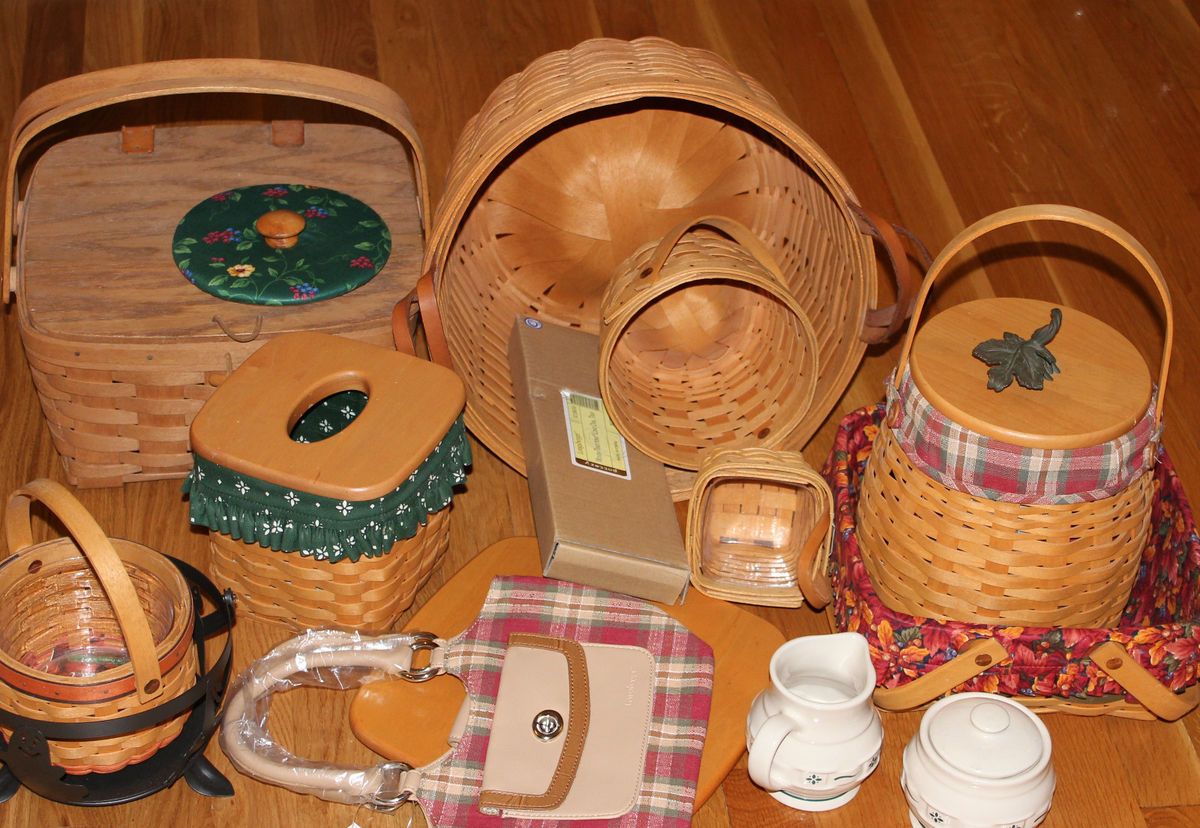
{"x":105,"y":562}
{"x":58,"y":101}
{"x":423,"y":296}
{"x":1112,"y":658}
{"x":977,"y":655}
{"x":1050,"y":212}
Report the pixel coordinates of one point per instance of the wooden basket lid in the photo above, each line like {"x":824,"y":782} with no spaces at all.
{"x":1103,"y":389}
{"x":245,"y":426}
{"x":1109,"y":388}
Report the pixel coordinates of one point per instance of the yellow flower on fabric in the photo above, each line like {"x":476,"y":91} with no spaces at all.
{"x":240,"y":271}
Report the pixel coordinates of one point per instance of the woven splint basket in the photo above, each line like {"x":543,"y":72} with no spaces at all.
{"x":91,"y":629}
{"x":702,"y":347}
{"x":123,"y":350}
{"x":1024,"y":506}
{"x":324,"y":470}
{"x":588,"y":154}
{"x":1145,"y":665}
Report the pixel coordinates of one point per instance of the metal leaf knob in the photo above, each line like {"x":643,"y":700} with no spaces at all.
{"x":1028,"y":361}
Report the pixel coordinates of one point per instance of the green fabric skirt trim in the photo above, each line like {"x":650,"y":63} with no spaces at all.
{"x":287,"y":520}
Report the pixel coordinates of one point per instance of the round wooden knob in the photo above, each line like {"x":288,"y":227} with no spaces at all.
{"x":280,"y":228}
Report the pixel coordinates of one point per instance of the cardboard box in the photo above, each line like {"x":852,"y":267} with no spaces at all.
{"x":602,"y":509}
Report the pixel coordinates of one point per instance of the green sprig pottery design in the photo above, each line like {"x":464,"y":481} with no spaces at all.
{"x":289,"y":520}
{"x":219,"y":249}
{"x":1026,"y":360}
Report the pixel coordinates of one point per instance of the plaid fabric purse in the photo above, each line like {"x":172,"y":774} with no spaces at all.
{"x":583,"y":707}
{"x":1147,"y":665}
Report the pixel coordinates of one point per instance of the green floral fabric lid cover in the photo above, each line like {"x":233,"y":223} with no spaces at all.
{"x":287,"y":520}
{"x":343,"y":245}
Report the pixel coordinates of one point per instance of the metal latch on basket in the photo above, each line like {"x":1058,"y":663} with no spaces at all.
{"x":423,"y":642}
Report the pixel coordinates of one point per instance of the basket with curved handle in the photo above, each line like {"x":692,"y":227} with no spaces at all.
{"x":56,"y":102}
{"x":104,"y":561}
{"x":633,"y":290}
{"x":982,"y":654}
{"x":1049,"y":212}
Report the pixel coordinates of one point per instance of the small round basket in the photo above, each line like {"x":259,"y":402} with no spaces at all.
{"x":588,"y":154}
{"x":702,"y":347}
{"x":1027,"y":507}
{"x":91,"y":629}
{"x":760,"y":529}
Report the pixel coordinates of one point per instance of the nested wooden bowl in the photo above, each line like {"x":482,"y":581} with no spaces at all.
{"x":702,"y":347}
{"x":588,"y":154}
{"x":760,"y":529}
{"x":91,"y":629}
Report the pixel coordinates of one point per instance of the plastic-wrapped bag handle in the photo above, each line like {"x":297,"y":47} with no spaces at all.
{"x":58,"y":101}
{"x":98,"y":550}
{"x":247,"y":742}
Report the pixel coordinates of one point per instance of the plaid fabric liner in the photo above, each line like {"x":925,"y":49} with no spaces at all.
{"x":683,"y":683}
{"x":967,"y":461}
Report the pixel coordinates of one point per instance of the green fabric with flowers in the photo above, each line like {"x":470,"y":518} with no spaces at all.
{"x":343,"y":245}
{"x":286,"y":520}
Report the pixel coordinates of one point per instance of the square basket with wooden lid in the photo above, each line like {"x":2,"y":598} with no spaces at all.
{"x":324,"y":471}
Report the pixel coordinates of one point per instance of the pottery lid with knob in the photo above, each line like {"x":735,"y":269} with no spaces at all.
{"x":1028,"y":372}
{"x":985,"y":738}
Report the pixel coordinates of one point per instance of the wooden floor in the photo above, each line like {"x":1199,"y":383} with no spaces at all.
{"x":937,"y":113}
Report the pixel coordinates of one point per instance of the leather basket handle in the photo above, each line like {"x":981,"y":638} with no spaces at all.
{"x":105,"y":562}
{"x":881,"y":324}
{"x":58,"y":101}
{"x":1068,"y":215}
{"x":423,"y":298}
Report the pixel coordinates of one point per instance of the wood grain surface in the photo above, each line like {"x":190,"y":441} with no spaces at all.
{"x":937,"y":111}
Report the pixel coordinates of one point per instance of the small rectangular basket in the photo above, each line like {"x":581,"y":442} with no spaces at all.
{"x":759,"y":529}
{"x":1146,"y":666}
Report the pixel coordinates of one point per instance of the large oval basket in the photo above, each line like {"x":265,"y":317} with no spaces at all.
{"x":587,"y":155}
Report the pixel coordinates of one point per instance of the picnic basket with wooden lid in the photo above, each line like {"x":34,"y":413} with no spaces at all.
{"x":92,"y":629}
{"x":576,"y":162}
{"x":123,"y":350}
{"x":324,"y":470}
{"x":1025,"y":506}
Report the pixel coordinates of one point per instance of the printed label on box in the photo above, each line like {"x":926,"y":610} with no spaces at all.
{"x":595,"y":442}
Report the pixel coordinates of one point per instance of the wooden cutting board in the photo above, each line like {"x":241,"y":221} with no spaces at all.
{"x":410,"y":722}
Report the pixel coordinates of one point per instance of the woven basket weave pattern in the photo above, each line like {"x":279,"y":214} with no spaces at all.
{"x":535,"y":219}
{"x":939,"y":553}
{"x":299,"y":592}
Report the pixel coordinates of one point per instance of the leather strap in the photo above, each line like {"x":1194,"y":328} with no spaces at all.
{"x":881,"y":324}
{"x":105,"y":562}
{"x":424,"y":298}
{"x":251,"y":748}
{"x":58,"y":101}
{"x":1068,"y":215}
{"x":977,"y":655}
{"x":810,"y":566}
{"x":1113,"y":659}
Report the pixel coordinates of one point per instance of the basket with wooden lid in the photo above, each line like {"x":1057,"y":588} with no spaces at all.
{"x":149,"y":262}
{"x":324,"y":471}
{"x":92,"y":629}
{"x":575,"y":163}
{"x":1010,"y":482}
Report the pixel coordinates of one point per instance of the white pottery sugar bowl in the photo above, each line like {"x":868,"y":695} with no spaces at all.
{"x":978,"y":761}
